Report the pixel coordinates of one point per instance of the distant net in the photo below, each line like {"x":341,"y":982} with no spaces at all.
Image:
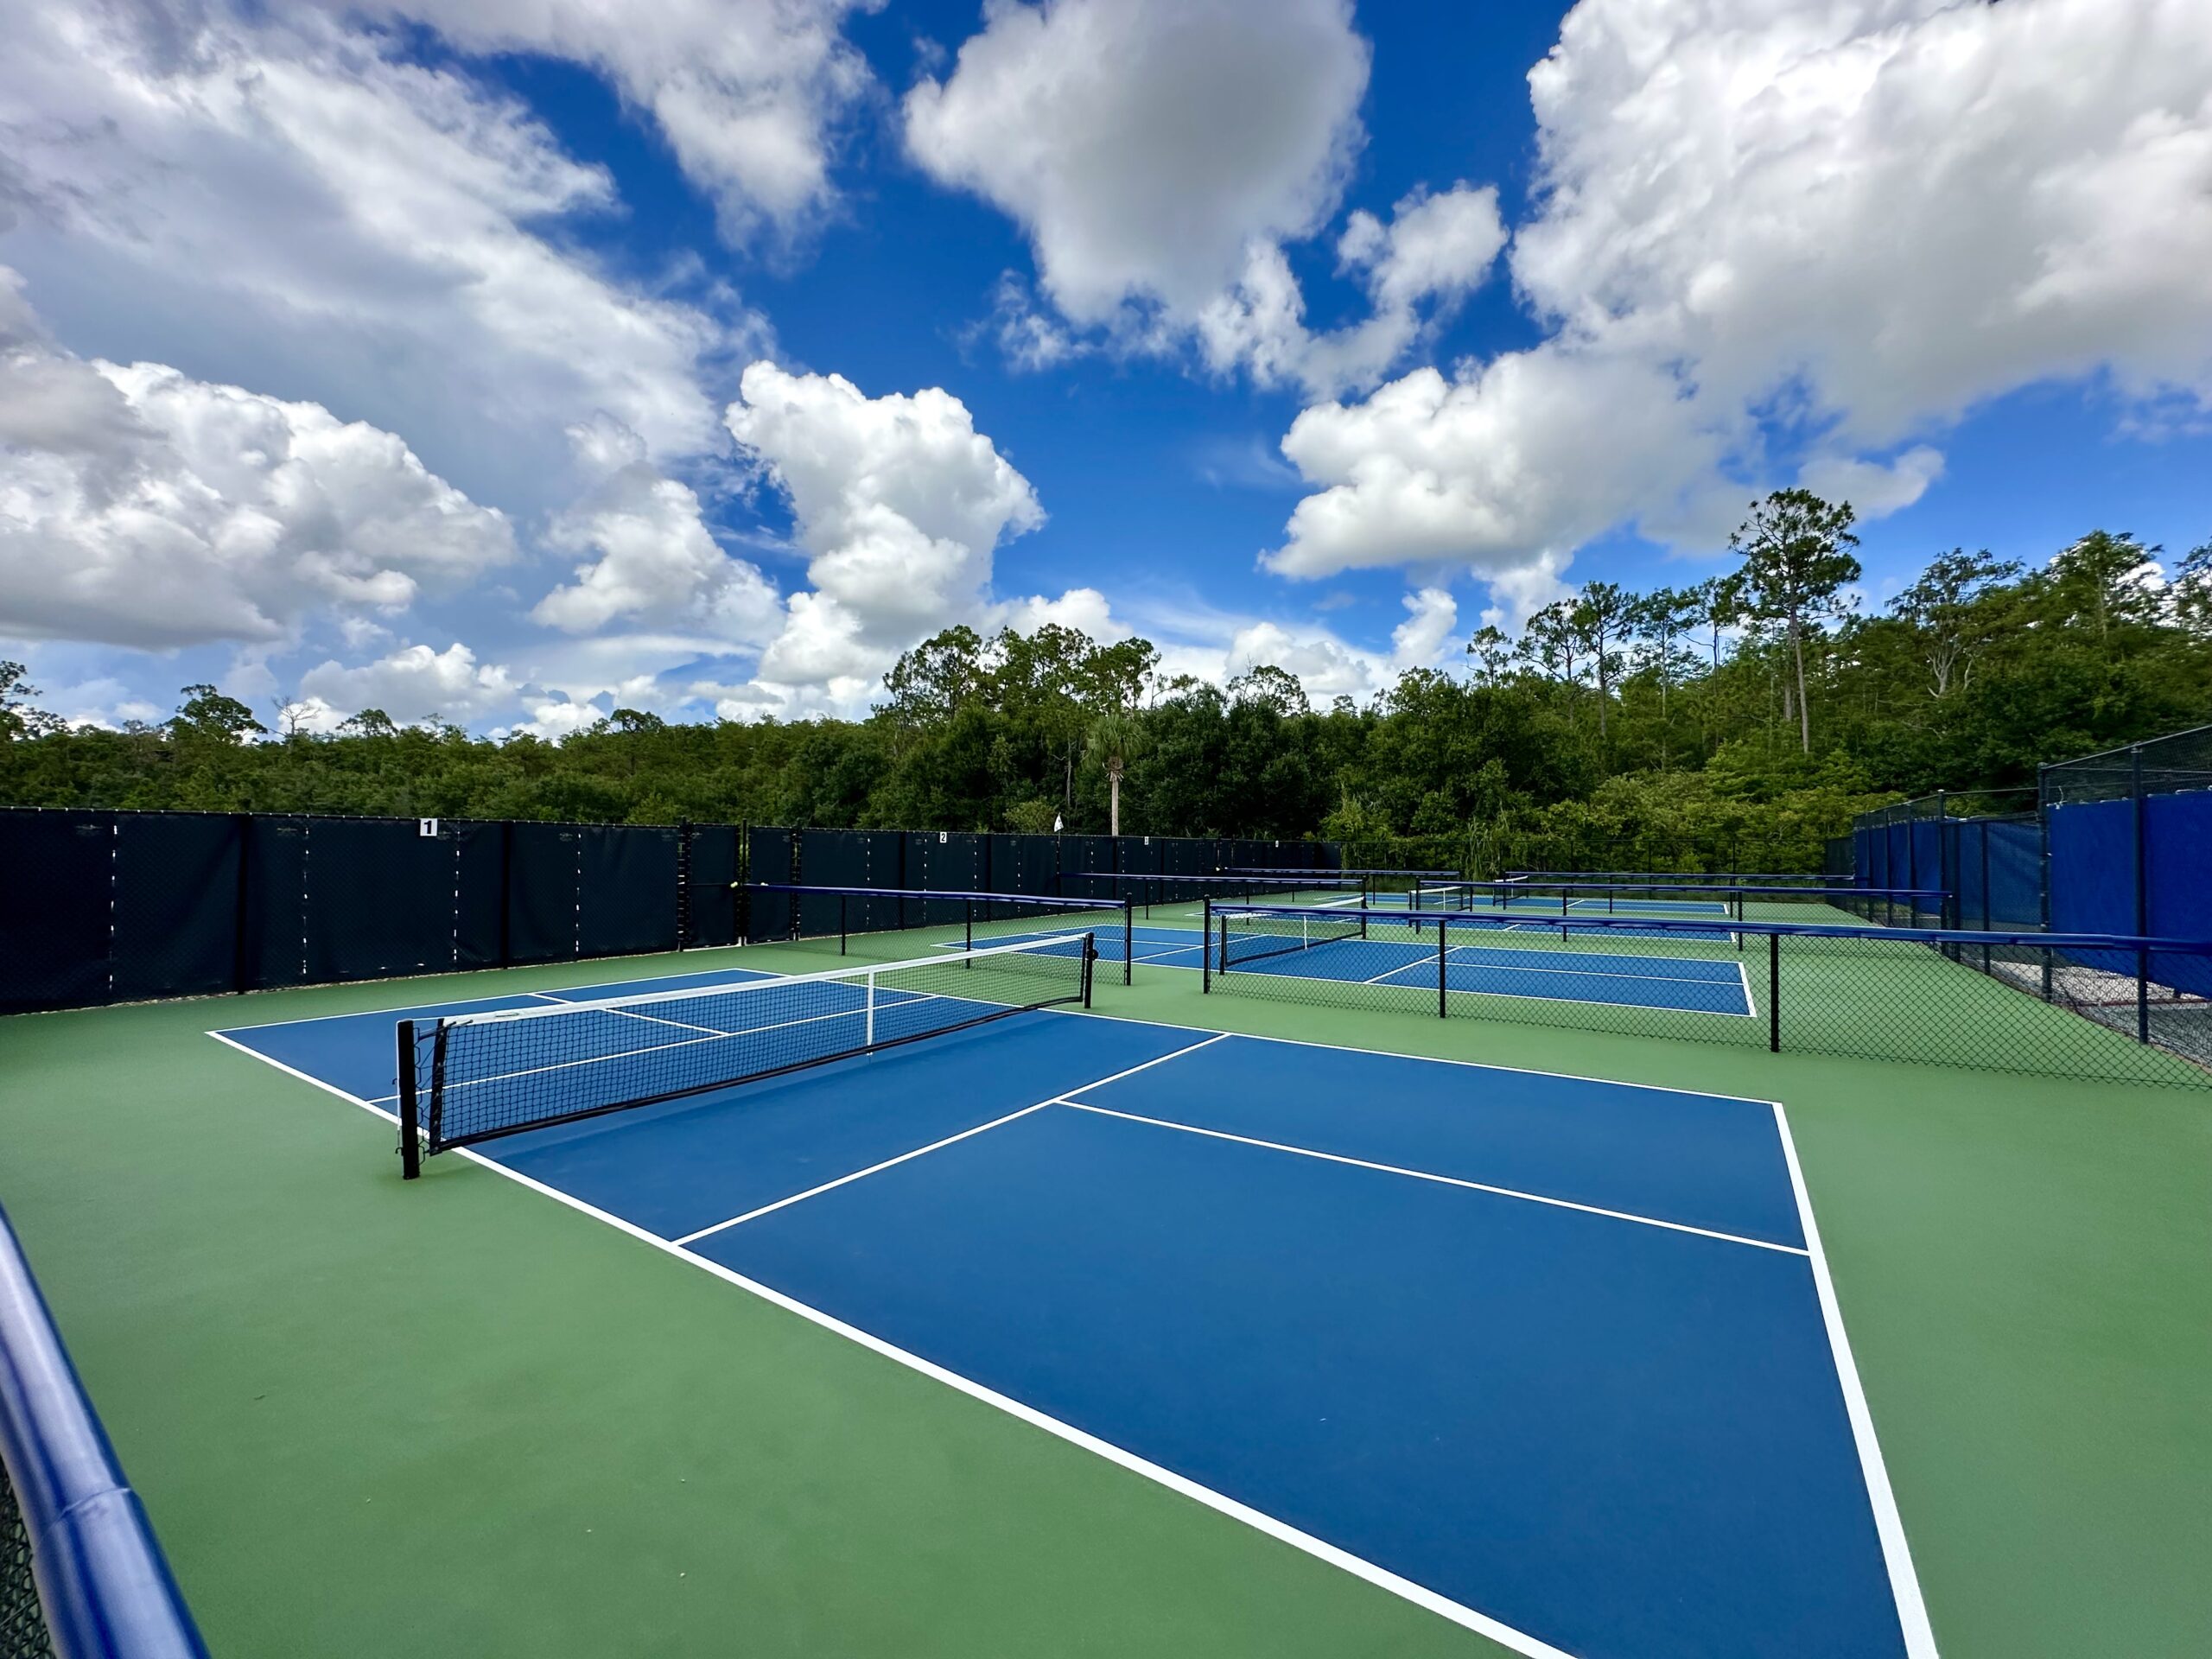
{"x":1447,"y":895}
{"x":1276,"y":934}
{"x":472,"y":1077}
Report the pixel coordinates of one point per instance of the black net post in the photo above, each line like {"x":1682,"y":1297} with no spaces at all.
{"x":1774,"y":993}
{"x":1128,"y":941}
{"x":410,"y":1109}
{"x":841,"y":924}
{"x":968,"y":925}
{"x":1443,"y":926}
{"x":1090,"y":966}
{"x":2142,"y":981}
{"x":1205,"y":951}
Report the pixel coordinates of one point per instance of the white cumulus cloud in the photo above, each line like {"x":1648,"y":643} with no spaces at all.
{"x":1143,"y":143}
{"x":1790,"y":239}
{"x":308,"y":209}
{"x":412,"y":683}
{"x":141,"y":507}
{"x":748,"y":92}
{"x":898,"y":502}
{"x":652,"y":560}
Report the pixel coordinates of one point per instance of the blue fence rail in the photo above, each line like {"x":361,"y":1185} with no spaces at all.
{"x":99,"y":1586}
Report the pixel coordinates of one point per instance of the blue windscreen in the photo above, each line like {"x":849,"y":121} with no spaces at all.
{"x":2093,"y":875}
{"x":2177,"y":853}
{"x":1927,"y":854}
{"x":2015,"y":891}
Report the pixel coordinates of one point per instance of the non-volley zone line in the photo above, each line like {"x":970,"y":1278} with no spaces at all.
{"x":1686,"y":985}
{"x":1727,"y":993}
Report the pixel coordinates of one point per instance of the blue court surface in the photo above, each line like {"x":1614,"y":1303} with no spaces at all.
{"x":1557,"y":1359}
{"x":1688,"y":985}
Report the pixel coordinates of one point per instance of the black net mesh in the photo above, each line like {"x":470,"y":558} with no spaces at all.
{"x":1696,"y":897}
{"x":2000,"y":1003}
{"x":23,"y":1634}
{"x":477,"y":1077}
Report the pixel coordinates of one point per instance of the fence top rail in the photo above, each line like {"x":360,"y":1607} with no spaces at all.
{"x":1537,"y":885}
{"x":107,"y":1588}
{"x":1266,"y":869}
{"x":1312,"y":878}
{"x":1040,"y":899}
{"x":1488,"y":919}
{"x":1618,"y":876}
{"x":2125,"y":748}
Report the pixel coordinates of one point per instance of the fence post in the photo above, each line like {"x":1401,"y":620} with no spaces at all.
{"x":1443,"y":1010}
{"x":2142,"y":871}
{"x":244,"y":910}
{"x":1774,"y":993}
{"x":683,"y":885}
{"x":2042,"y":863}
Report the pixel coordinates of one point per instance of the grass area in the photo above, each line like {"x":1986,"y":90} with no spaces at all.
{"x":460,"y":1419}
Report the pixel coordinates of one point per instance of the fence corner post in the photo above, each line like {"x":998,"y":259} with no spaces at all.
{"x":1443,"y":1004}
{"x":1774,"y":993}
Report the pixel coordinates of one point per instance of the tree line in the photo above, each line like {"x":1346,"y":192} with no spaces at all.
{"x":1734,"y":723}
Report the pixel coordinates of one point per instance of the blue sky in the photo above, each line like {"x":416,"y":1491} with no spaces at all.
{"x":512,"y":362}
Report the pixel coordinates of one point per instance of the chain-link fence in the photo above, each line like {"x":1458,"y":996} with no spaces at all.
{"x":2096,"y":1008}
{"x":23,"y":1634}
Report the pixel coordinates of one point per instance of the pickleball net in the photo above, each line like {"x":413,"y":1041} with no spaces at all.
{"x":472,"y":1077}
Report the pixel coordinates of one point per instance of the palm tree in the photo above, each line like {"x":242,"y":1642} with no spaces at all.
{"x":1116,"y":739}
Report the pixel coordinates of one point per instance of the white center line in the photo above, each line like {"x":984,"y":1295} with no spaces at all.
{"x":841,"y":1180}
{"x":1441,"y":1180}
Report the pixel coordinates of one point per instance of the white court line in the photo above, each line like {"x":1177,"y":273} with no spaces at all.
{"x":1579,"y":1001}
{"x":1889,"y":1524}
{"x":813,"y":1191}
{"x":752,"y":977}
{"x":655,"y":1020}
{"x":1429,"y":1059}
{"x":1601,"y":973}
{"x":1428,"y":1175}
{"x":1406,"y":1589}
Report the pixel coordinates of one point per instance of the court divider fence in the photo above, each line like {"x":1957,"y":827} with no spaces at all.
{"x":2095,"y":1007}
{"x":103,"y":906}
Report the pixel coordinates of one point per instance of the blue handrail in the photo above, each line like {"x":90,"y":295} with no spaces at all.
{"x":105,"y":1588}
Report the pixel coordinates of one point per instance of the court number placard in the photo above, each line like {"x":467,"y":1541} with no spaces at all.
{"x":427,"y":828}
